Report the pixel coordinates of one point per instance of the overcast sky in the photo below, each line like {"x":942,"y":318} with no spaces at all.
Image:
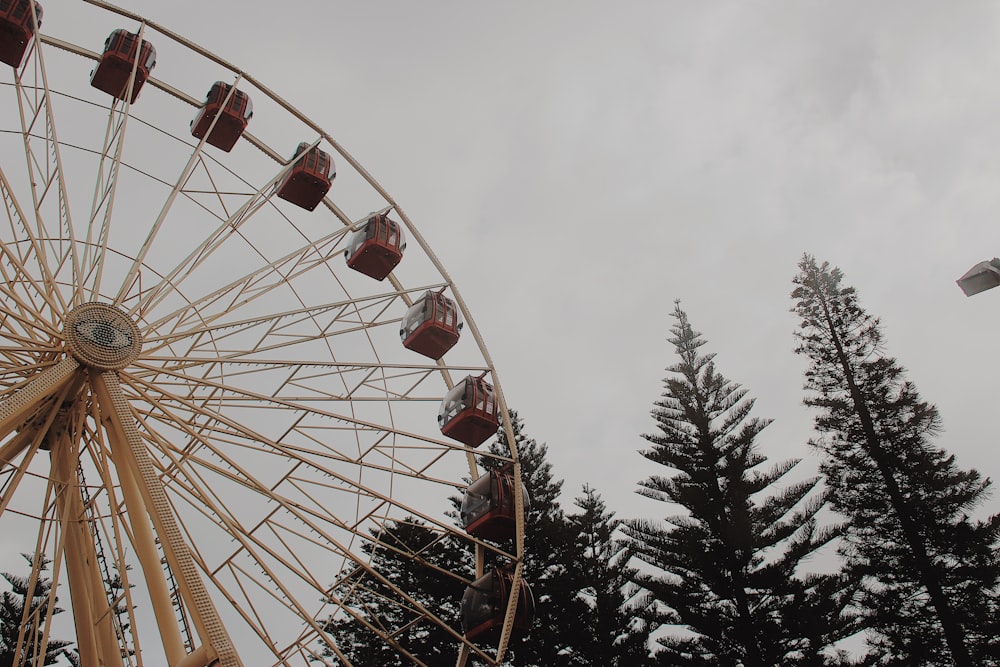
{"x":577,"y":166}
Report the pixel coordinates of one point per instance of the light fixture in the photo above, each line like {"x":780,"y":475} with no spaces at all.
{"x":981,"y":277}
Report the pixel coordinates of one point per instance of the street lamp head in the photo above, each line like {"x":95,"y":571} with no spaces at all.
{"x":981,"y":277}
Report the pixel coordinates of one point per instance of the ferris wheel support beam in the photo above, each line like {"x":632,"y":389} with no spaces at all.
{"x":27,"y":438}
{"x":130,"y":450}
{"x":18,"y":408}
{"x":144,"y":543}
{"x":95,"y":632}
{"x":16,"y":445}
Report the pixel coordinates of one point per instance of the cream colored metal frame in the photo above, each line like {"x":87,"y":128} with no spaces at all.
{"x":206,"y":419}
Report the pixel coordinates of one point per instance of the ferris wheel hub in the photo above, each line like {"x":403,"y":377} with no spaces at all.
{"x":101,"y":336}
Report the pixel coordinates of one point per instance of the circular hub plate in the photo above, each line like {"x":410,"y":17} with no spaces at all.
{"x":101,"y":336}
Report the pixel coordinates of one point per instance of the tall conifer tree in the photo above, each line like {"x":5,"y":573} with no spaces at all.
{"x":930,"y":571}
{"x":725,"y":571}
{"x":608,"y":634}
{"x":23,"y":615}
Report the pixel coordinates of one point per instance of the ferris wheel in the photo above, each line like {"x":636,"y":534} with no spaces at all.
{"x":241,"y":402}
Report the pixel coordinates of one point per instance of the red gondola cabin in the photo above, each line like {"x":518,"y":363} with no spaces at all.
{"x":469,"y":412}
{"x":16,"y":29}
{"x":488,"y":505}
{"x":377,"y":247}
{"x":114,"y":69}
{"x":484,"y":606}
{"x":309,"y":179}
{"x":233,"y":119}
{"x":431,"y":326}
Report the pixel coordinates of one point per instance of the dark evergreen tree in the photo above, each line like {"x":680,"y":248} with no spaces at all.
{"x":417,"y":560}
{"x":548,"y":558}
{"x":725,"y":573}
{"x":13,"y":617}
{"x":930,"y":571}
{"x":608,"y":632}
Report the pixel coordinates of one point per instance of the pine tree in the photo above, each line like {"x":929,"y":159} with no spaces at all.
{"x":14,"y":619}
{"x":548,"y":557}
{"x":930,"y":571}
{"x":416,"y":559}
{"x":116,"y":592}
{"x":724,"y":573}
{"x":607,"y":634}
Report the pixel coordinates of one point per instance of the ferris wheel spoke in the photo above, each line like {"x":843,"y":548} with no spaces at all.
{"x":189,"y":484}
{"x":263,"y":555}
{"x":194,"y":160}
{"x":196,"y":315}
{"x":20,"y":310}
{"x":20,"y":360}
{"x":102,"y":206}
{"x":22,"y":301}
{"x":392,"y":382}
{"x":372,"y":591}
{"x":219,"y":336}
{"x":243,"y":291}
{"x":306,"y":455}
{"x":105,"y":189}
{"x":8,"y":453}
{"x":381,"y":446}
{"x":212,"y":431}
{"x":57,"y":251}
{"x":38,"y":616}
{"x":215,"y":240}
{"x":313,"y":408}
{"x":245,"y":576}
{"x":30,"y":252}
{"x":298,"y":325}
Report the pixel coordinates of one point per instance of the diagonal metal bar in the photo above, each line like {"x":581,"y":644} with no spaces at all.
{"x":49,"y":171}
{"x":165,"y":209}
{"x":96,"y":271}
{"x":216,"y":239}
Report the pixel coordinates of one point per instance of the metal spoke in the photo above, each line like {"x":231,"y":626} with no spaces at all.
{"x":107,"y":183}
{"x":193,"y":161}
